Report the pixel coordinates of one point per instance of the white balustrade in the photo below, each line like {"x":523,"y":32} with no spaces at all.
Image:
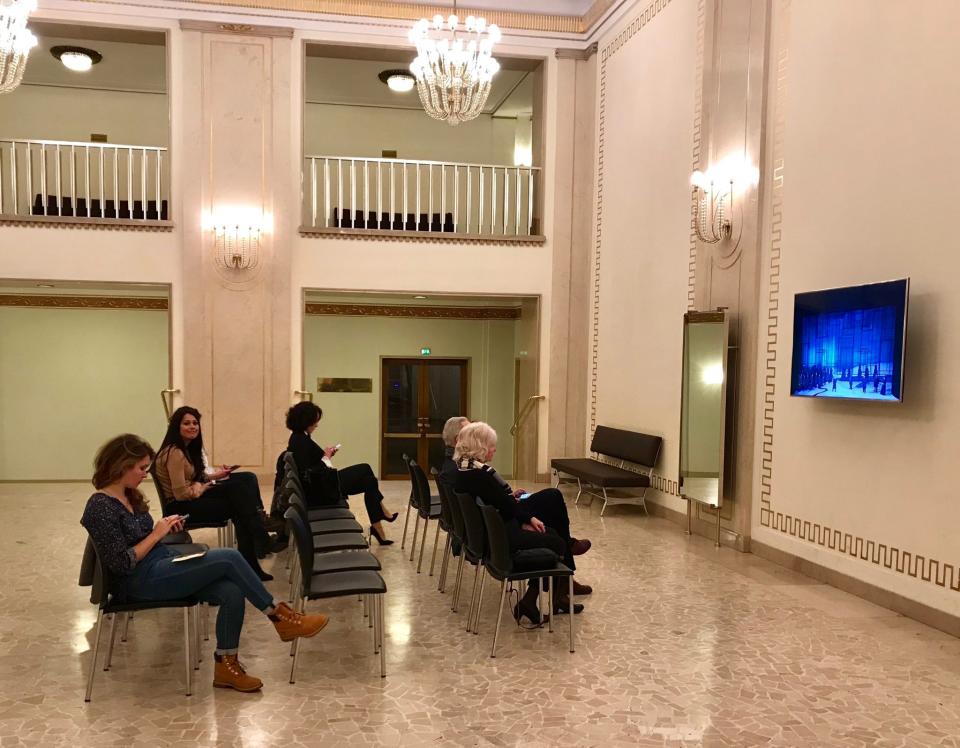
{"x":429,"y":196}
{"x":83,"y":180}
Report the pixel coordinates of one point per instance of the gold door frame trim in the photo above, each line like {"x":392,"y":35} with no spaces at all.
{"x":409,"y":311}
{"x":57,"y":301}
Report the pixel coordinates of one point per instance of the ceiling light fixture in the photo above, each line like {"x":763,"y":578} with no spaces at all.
{"x":400,"y":81}
{"x":77,"y":59}
{"x":454,"y":66}
{"x":16,"y":41}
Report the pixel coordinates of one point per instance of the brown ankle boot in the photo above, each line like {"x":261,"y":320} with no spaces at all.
{"x":229,"y":673}
{"x":292,"y":625}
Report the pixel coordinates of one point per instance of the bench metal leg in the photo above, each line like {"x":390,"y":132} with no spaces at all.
{"x":93,"y":660}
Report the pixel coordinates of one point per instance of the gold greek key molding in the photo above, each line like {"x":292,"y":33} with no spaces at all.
{"x":411,"y":311}
{"x":892,"y":558}
{"x":57,"y":301}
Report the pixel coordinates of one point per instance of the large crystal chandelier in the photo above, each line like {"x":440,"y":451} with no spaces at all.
{"x":454,"y":65}
{"x":16,"y":41}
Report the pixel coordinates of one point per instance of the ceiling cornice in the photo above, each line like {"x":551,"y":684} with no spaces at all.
{"x":404,"y":11}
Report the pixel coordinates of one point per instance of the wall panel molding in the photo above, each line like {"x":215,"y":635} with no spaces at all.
{"x":58,"y":301}
{"x":839,"y":540}
{"x":411,"y":311}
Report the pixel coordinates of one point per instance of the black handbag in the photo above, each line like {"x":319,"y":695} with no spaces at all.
{"x":322,"y":485}
{"x":534,"y":559}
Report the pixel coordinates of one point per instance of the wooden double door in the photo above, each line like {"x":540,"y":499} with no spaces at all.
{"x":417,"y":397}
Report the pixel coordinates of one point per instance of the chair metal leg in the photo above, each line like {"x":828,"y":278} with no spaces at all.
{"x":436,"y":542}
{"x":406,"y":522}
{"x":375,"y":618}
{"x":496,"y":631}
{"x":456,"y":590}
{"x":602,"y":510}
{"x":423,"y":542}
{"x":113,"y":638}
{"x":444,"y":564}
{"x":96,"y":651}
{"x":126,"y":626}
{"x":579,"y":491}
{"x":381,"y":600}
{"x":289,"y":550}
{"x":416,"y":529}
{"x":571,"y":616}
{"x":296,"y":649}
{"x":187,"y":655}
{"x":197,"y":650}
{"x":476,"y":618}
{"x":206,"y":622}
{"x":551,"y":596}
{"x":473,"y":596}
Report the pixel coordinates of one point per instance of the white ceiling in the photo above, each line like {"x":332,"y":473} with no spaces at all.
{"x":550,"y":7}
{"x":355,"y":82}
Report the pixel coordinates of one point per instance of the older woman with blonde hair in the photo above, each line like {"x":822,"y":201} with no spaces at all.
{"x":536,"y":520}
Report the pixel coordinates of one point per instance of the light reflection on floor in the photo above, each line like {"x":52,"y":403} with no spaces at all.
{"x":680,"y":645}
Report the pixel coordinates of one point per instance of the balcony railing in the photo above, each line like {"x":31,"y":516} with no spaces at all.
{"x":59,"y":178}
{"x":483,"y":200}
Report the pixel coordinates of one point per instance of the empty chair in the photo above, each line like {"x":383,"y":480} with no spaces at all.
{"x":152,"y":213}
{"x":334,"y":584}
{"x":53,"y":208}
{"x":372,"y":221}
{"x":397,"y":222}
{"x":385,"y":221}
{"x":324,"y":525}
{"x":138,"y":213}
{"x":411,"y":223}
{"x":346,"y":219}
{"x":435,"y":224}
{"x":424,"y":223}
{"x":110,"y":209}
{"x":66,"y":206}
{"x":502,"y":566}
{"x":81,"y":207}
{"x":359,"y":222}
{"x":37,"y":208}
{"x":428,"y":508}
{"x":446,"y":524}
{"x":123,"y":211}
{"x":163,"y":210}
{"x":96,"y":209}
{"x":448,"y":222}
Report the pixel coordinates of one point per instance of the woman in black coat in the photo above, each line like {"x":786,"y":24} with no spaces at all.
{"x":325,"y":484}
{"x":539,"y":520}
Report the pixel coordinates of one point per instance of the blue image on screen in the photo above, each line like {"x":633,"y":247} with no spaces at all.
{"x":848,"y":342}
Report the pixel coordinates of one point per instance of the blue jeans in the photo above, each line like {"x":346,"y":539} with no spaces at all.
{"x":221,"y":577}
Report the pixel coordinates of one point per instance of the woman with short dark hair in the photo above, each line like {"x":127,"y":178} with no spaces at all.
{"x":316,"y":470}
{"x":140,"y":567}
{"x":187,"y":486}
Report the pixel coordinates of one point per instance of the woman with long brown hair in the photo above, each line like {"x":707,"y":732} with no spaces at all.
{"x":139,"y":567}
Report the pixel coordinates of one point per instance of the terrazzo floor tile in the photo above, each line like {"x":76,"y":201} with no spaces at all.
{"x":681,"y":644}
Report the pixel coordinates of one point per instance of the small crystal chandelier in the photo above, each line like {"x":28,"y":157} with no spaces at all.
{"x":454,"y":65}
{"x":16,"y":41}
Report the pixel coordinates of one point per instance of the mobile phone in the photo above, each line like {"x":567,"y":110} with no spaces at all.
{"x":233,"y":467}
{"x":184,"y":517}
{"x":189,"y":556}
{"x":524,"y":496}
{"x":337,"y":447}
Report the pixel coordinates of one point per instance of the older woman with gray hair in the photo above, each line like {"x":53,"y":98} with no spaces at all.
{"x":536,"y":520}
{"x":448,"y":470}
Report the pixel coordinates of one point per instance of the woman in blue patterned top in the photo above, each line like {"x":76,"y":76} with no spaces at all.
{"x":139,"y":567}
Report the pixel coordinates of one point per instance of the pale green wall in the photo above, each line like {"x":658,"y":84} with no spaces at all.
{"x":72,"y":378}
{"x":353,"y":346}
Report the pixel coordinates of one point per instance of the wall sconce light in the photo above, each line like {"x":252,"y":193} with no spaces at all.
{"x":714,"y":193}
{"x":236,"y":238}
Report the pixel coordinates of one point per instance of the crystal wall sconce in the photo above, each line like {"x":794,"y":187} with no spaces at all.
{"x":714,"y":193}
{"x":236,"y":237}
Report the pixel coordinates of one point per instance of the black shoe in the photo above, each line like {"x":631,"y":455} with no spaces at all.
{"x":563,"y":606}
{"x":393,"y":518}
{"x":381,"y":541}
{"x":530,"y":610}
{"x":264,"y":577}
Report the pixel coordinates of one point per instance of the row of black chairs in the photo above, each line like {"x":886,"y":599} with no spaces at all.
{"x":357,"y":219}
{"x":332,"y":560}
{"x":478,"y":536}
{"x":107,"y":209}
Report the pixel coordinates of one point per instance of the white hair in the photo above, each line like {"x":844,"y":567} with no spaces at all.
{"x":451,"y":429}
{"x":475,"y":441}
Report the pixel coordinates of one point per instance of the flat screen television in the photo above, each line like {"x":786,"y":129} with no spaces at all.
{"x":848,"y":343}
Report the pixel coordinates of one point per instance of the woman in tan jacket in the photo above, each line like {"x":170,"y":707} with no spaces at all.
{"x":186,"y":486}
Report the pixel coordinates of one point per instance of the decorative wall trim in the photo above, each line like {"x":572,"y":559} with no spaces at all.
{"x":609,"y":49}
{"x":565,"y":53}
{"x":420,"y":236}
{"x":697,"y":142}
{"x":57,"y":301}
{"x":907,"y":563}
{"x":214,"y":27}
{"x":98,"y":224}
{"x":411,"y":311}
{"x":403,"y":11}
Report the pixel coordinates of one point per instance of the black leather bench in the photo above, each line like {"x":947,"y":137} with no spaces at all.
{"x":641,"y":450}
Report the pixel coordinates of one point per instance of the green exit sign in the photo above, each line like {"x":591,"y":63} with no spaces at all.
{"x":424,"y":351}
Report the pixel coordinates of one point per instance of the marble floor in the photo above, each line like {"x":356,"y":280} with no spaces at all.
{"x":681,"y":644}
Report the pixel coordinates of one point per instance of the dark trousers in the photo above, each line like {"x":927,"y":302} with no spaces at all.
{"x":548,"y":507}
{"x":238,"y":499}
{"x":360,"y":479}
